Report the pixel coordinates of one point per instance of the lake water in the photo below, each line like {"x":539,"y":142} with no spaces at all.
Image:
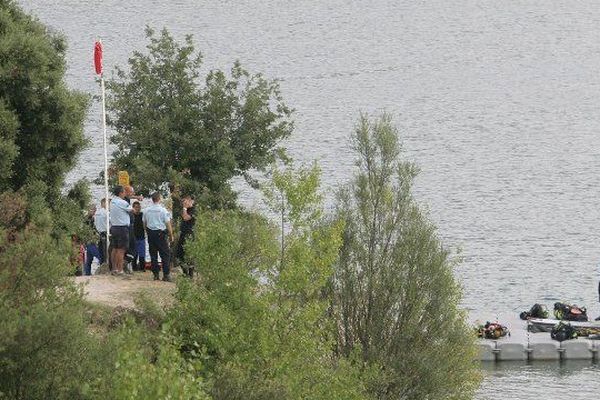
{"x":497,"y":101}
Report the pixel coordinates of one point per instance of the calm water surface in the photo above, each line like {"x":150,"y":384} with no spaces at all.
{"x":497,"y":101}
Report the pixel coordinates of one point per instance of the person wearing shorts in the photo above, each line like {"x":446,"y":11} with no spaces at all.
{"x":119,"y":229}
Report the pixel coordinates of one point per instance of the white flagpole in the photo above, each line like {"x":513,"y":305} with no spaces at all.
{"x":105,"y":169}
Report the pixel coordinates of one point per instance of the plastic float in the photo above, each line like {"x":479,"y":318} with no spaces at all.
{"x":530,"y":341}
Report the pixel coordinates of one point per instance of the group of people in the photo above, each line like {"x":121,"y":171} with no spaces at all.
{"x":130,"y":227}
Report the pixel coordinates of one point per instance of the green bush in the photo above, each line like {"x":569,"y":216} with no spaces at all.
{"x":256,"y":322}
{"x":147,"y":366}
{"x":45,"y":351}
{"x":395,"y":299}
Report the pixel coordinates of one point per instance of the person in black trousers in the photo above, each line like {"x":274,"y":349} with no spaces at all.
{"x":139,"y":235}
{"x":130,"y":254}
{"x":157,"y":222}
{"x":186,"y":230}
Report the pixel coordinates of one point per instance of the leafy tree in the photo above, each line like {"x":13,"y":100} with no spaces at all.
{"x":41,"y":120}
{"x":257,"y":325}
{"x":172,"y":128}
{"x":41,"y":124}
{"x":395,"y":296}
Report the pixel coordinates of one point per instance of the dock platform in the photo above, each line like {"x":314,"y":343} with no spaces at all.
{"x":525,"y":346}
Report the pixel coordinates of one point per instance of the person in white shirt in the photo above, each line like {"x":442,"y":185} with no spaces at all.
{"x":119,"y":229}
{"x":157,"y":222}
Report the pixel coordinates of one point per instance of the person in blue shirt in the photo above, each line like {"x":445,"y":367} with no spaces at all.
{"x":119,"y":229}
{"x":157,"y":222}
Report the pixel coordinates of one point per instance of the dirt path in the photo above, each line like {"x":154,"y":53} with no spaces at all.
{"x":121,"y":291}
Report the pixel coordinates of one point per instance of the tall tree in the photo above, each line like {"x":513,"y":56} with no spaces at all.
{"x":41,"y":120}
{"x":396,"y":299}
{"x":172,"y":128}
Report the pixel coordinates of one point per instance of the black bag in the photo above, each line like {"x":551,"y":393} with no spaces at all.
{"x":492,"y":330}
{"x":569,"y":312}
{"x":536,"y":311}
{"x":563,"y":331}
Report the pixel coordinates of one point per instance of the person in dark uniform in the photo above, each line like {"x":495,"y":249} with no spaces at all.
{"x":186,"y":230}
{"x":130,"y":254}
{"x":139,"y":256}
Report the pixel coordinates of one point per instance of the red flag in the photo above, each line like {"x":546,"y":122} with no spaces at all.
{"x":98,"y":57}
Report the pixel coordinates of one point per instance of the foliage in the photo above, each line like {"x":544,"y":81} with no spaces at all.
{"x":41,"y":120}
{"x":8,"y":147}
{"x":80,"y":194}
{"x":47,"y":349}
{"x":294,"y":193}
{"x":148,"y":372}
{"x":44,"y":349}
{"x":171,"y":128}
{"x":258,"y":326}
{"x":396,"y":299}
{"x":41,"y":126}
